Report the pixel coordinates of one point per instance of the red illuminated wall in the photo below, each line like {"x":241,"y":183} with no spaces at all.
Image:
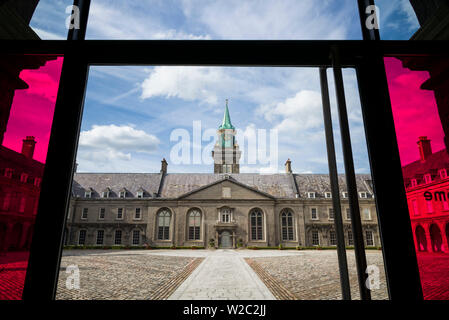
{"x":26,"y":113}
{"x":425,"y":171}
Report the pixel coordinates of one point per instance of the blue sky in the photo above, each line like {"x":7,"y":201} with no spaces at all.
{"x":130,"y":112}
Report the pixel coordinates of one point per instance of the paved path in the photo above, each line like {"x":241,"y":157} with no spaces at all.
{"x":223,"y":275}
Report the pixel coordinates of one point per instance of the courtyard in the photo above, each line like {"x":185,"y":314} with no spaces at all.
{"x":211,"y":274}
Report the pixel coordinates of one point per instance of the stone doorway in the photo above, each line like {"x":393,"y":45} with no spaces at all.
{"x":225,"y":240}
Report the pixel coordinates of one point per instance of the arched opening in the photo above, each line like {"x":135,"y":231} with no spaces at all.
{"x":194,"y":224}
{"x":256,"y":224}
{"x":225,"y":239}
{"x":435,"y":237}
{"x":163,"y":224}
{"x":287,"y":225}
{"x":16,"y":234}
{"x":420,"y":235}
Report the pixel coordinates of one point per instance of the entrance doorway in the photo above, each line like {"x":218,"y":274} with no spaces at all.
{"x":226,"y":240}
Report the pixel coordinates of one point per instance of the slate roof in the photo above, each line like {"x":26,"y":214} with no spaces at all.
{"x":417,"y":169}
{"x":277,"y":185}
{"x":132,"y":182}
{"x":177,"y":184}
{"x":320,"y":183}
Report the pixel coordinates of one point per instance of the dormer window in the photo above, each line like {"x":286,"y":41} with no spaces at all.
{"x":428,"y":178}
{"x":88,"y":193}
{"x":328,"y":195}
{"x":140,"y":194}
{"x":105,"y":193}
{"x":413,"y":183}
{"x":37,"y":182}
{"x":8,"y":172}
{"x":24,"y":177}
{"x":311,"y":195}
{"x":345,"y":195}
{"x":363,"y":195}
{"x":122,"y":193}
{"x":443,"y":174}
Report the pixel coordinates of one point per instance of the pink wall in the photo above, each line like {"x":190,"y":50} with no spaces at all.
{"x":32,"y":109}
{"x":415,"y":111}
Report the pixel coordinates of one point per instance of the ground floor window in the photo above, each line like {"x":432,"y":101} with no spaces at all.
{"x":369,"y":238}
{"x":194,"y":224}
{"x":332,"y":238}
{"x":100,"y":236}
{"x":256,"y":220}
{"x":82,"y":237}
{"x":350,"y":239}
{"x":163,"y":220}
{"x":136,"y":237}
{"x":118,"y":237}
{"x":315,"y":238}
{"x":287,"y":225}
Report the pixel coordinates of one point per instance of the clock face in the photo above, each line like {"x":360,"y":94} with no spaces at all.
{"x":227,"y":140}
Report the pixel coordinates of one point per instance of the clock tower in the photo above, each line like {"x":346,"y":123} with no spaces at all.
{"x":226,"y":151}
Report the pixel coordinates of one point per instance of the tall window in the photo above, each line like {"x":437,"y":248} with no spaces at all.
{"x":256,"y":220}
{"x":332,"y":238}
{"x":163,"y":224}
{"x":428,"y":178}
{"x":82,"y":237}
{"x":415,"y":207}
{"x":287,"y":225}
{"x":443,"y":174}
{"x":100,"y":236}
{"x":136,"y":237}
{"x":6,"y":201}
{"x":315,"y":238}
{"x":194,"y":224}
{"x":414,"y":183}
{"x":102,"y":213}
{"x":84,"y":214}
{"x":118,"y":237}
{"x":366,"y":214}
{"x":350,"y":238}
{"x":314,"y":213}
{"x":331,"y":213}
{"x":369,"y":238}
{"x":24,"y":177}
{"x":22,"y":204}
{"x":137,"y":215}
{"x":348,"y":214}
{"x":119,"y":213}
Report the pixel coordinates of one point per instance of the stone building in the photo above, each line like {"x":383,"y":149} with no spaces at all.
{"x":228,"y":208}
{"x":20,"y":180}
{"x":427,"y":186}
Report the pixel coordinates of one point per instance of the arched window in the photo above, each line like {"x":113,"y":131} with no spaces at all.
{"x":256,"y":221}
{"x":194,"y":224}
{"x":287,"y":225}
{"x":163,"y":223}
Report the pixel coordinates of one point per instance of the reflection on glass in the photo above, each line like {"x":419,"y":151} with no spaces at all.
{"x":419,"y":99}
{"x":29,"y":88}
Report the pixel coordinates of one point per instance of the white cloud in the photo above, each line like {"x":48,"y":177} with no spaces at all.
{"x":108,"y":143}
{"x":188,"y":83}
{"x":301,"y":112}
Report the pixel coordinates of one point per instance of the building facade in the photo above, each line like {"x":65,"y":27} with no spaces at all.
{"x":427,"y":186}
{"x":20,"y":181}
{"x":227,"y":209}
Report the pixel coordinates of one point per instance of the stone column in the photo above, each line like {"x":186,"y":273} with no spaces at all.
{"x":444,"y":246}
{"x":429,"y":246}
{"x":233,"y":239}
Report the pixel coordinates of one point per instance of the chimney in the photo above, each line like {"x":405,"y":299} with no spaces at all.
{"x":288,"y":166}
{"x":28,"y":147}
{"x":164,"y":165}
{"x":425,"y":149}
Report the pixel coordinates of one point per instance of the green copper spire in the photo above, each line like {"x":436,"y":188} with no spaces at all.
{"x":226,"y":119}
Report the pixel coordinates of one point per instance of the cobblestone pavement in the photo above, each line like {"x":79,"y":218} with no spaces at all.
{"x":13,"y":267}
{"x":434,"y":270}
{"x":122,"y":275}
{"x":314,"y":275}
{"x":155,"y":274}
{"x":223,"y":275}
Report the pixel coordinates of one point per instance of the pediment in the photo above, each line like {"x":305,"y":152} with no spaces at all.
{"x":226,"y":189}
